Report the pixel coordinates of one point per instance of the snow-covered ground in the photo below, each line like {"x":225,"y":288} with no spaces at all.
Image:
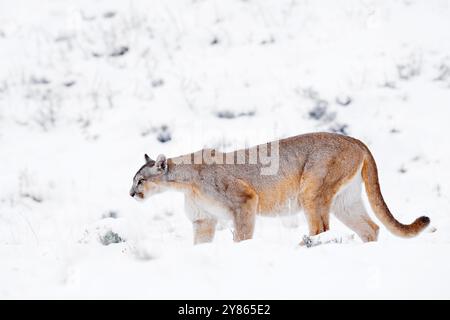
{"x":88,"y":87}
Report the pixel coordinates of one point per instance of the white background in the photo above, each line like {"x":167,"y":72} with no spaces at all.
{"x":76,"y":118}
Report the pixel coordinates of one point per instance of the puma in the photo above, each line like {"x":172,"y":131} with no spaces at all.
{"x":318,"y":173}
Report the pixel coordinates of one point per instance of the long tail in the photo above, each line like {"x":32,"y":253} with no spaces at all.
{"x":370,"y":177}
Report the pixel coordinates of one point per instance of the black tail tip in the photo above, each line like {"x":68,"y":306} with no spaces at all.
{"x":425,"y":221}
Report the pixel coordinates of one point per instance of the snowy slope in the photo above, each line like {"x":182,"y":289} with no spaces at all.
{"x":86,"y":88}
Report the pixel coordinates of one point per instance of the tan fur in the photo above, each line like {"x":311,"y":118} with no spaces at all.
{"x":204,"y":230}
{"x":319,"y":173}
{"x":271,"y":198}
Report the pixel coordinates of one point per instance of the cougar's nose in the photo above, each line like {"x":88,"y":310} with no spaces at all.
{"x":132,"y":193}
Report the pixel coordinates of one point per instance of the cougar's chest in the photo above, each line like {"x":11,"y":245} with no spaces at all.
{"x":198,"y":204}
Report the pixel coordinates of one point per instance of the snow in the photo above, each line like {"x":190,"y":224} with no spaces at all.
{"x":78,"y":112}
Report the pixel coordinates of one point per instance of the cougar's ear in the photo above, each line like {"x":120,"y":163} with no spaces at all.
{"x":147,"y":158}
{"x":161,"y":163}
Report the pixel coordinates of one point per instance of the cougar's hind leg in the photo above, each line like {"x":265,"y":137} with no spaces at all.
{"x":316,"y":202}
{"x":354,"y":216}
{"x":317,"y":212}
{"x":317,"y":189}
{"x":349,"y":208}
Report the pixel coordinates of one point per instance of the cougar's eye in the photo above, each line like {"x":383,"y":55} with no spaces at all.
{"x":141,"y":181}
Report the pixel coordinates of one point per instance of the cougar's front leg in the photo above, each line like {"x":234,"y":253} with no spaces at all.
{"x":203,"y":223}
{"x":244,"y":212}
{"x":204,"y":230}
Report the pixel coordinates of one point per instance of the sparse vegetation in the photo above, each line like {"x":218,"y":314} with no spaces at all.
{"x":227,"y":114}
{"x":164,"y":134}
{"x":87,"y":88}
{"x":110,"y":214}
{"x":339,"y":128}
{"x":110,"y":237}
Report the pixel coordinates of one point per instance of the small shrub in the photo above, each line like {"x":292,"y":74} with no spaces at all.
{"x":109,"y":14}
{"x":110,"y":237}
{"x":157,"y":83}
{"x":319,"y":110}
{"x":214,"y":41}
{"x":340,"y":128}
{"x":164,"y":134}
{"x":226,"y":114}
{"x":119,"y":51}
{"x":37,"y":80}
{"x":444,"y":72}
{"x":402,"y":170}
{"x":110,"y":214}
{"x":343,"y":100}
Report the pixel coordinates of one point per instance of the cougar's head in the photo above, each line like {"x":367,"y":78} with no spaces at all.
{"x":147,"y":181}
